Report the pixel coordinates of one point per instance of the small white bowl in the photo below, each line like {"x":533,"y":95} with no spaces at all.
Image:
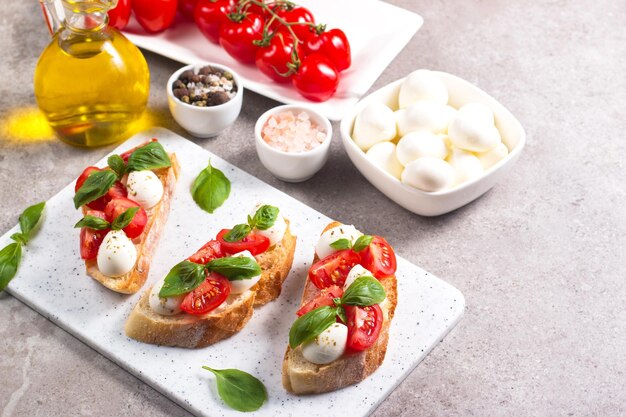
{"x":205,"y":122}
{"x":435,"y":203}
{"x":292,"y":166}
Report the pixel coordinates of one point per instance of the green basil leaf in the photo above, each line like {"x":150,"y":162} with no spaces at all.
{"x":124,"y":219}
{"x":362,"y":242}
{"x":149,"y":156}
{"x":96,"y":185}
{"x":20,"y":238}
{"x":341,"y":312}
{"x":93,"y":222}
{"x":10,"y":258}
{"x":29,"y":219}
{"x":210,"y":189}
{"x":237,"y":233}
{"x":311,"y":325}
{"x":238,"y":389}
{"x":364,"y":291}
{"x":341,"y":244}
{"x":183,"y":278}
{"x":265,"y":217}
{"x":235,"y":268}
{"x":117,"y":164}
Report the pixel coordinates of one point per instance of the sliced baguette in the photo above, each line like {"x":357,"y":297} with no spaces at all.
{"x":303,"y":377}
{"x":145,"y":243}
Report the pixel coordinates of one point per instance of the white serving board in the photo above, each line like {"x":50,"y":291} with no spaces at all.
{"x":52,"y":281}
{"x":377,"y":32}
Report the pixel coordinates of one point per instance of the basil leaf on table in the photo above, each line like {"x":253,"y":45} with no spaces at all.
{"x":237,"y":233}
{"x":182,"y":278}
{"x":10,"y":258}
{"x":364,"y":291}
{"x":124,"y":219}
{"x":95,"y":186}
{"x":210,"y":189}
{"x":341,"y":244}
{"x":93,"y":222}
{"x":362,"y":242}
{"x":30,"y":218}
{"x":265,"y":217}
{"x":235,"y":268}
{"x":311,"y":325}
{"x":238,"y":389}
{"x":149,"y":156}
{"x":117,"y":164}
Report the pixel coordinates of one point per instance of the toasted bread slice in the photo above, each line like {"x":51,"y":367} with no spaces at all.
{"x":145,"y":243}
{"x":303,"y":377}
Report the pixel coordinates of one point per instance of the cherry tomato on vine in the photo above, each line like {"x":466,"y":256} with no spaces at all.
{"x":317,"y":78}
{"x":119,"y":16}
{"x":237,"y":35}
{"x":154,"y":15}
{"x":253,"y":8}
{"x":272,"y":59}
{"x":209,"y":16}
{"x":297,"y":14}
{"x":186,"y":8}
{"x":333,"y":44}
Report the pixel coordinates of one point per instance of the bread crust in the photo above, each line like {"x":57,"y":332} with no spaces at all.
{"x":303,"y":377}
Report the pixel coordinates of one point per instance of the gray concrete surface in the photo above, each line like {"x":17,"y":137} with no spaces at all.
{"x":539,"y":258}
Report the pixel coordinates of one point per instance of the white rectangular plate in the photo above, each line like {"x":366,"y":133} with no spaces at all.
{"x":52,"y":281}
{"x":377,"y":32}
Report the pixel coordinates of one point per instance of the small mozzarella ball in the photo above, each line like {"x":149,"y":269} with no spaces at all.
{"x":145,"y":188}
{"x":422,"y":85}
{"x":276,"y":232}
{"x":117,"y":254}
{"x":471,"y":135}
{"x":167,"y":306}
{"x":424,"y":116}
{"x":357,"y":271}
{"x":428,"y":174}
{"x":490,"y":158}
{"x":323,"y":248}
{"x":418,"y":144}
{"x":239,"y":286}
{"x":466,"y":166}
{"x":375,"y":123}
{"x":328,"y":346}
{"x":479,"y":112}
{"x":383,"y":155}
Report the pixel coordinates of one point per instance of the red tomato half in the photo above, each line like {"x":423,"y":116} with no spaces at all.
{"x":254,"y":243}
{"x":379,"y":258}
{"x":186,"y":8}
{"x":154,"y":15}
{"x":237,"y":37}
{"x":119,"y":16}
{"x":317,"y":78}
{"x":118,"y":206}
{"x":209,"y":16}
{"x":211,"y":250}
{"x":333,"y":44}
{"x":272,"y":59}
{"x":116,"y":191}
{"x":297,"y":14}
{"x":364,"y":324}
{"x":324,"y":298}
{"x":208,"y":296}
{"x":90,"y":239}
{"x":127,"y":154}
{"x":333,"y":269}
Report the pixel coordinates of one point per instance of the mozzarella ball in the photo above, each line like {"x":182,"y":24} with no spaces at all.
{"x":470,"y":134}
{"x":117,"y":254}
{"x":145,"y":188}
{"x":422,"y":85}
{"x":357,"y":271}
{"x":383,"y":155}
{"x":239,"y":286}
{"x":424,"y":116}
{"x":418,"y":144}
{"x":428,"y":174}
{"x":479,"y":112}
{"x":276,"y":232}
{"x":466,"y":166}
{"x":323,"y":248}
{"x":167,"y":306}
{"x":375,"y":123}
{"x":491,"y":157}
{"x":328,"y":346}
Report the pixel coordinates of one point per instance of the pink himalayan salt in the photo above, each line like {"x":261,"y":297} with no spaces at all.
{"x":290,"y":133}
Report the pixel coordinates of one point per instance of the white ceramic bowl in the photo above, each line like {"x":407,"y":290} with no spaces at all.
{"x":435,"y":203}
{"x":291,"y":166}
{"x":204,"y":122}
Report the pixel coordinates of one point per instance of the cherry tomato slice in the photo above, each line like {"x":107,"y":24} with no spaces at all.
{"x":154,"y":15}
{"x":207,"y":296}
{"x":333,"y":269}
{"x":333,"y":44}
{"x":379,"y":258}
{"x":118,"y":206}
{"x":324,"y":298}
{"x":117,"y":190}
{"x":254,"y":243}
{"x":90,"y":239}
{"x":211,"y":250}
{"x":209,"y":16}
{"x":237,"y":37}
{"x":272,"y":59}
{"x":317,"y":78}
{"x":119,"y":16}
{"x":127,"y":154}
{"x":364,"y":324}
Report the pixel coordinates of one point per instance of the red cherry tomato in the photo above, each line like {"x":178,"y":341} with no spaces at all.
{"x":254,"y":243}
{"x":211,"y":250}
{"x":186,"y":8}
{"x":90,"y":239}
{"x":316,"y":79}
{"x":117,"y":190}
{"x":272,"y":59}
{"x":119,"y":16}
{"x":207,"y":296}
{"x":364,"y":324}
{"x":324,"y":298}
{"x":297,"y":14}
{"x":83,"y":177}
{"x":126,"y":155}
{"x":154,"y":15}
{"x":253,"y":8}
{"x":333,"y":44}
{"x":237,"y":37}
{"x":209,"y":16}
{"x":379,"y":258}
{"x":333,"y":269}
{"x":118,"y":206}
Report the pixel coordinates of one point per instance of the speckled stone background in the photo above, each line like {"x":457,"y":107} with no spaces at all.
{"x":539,"y":258}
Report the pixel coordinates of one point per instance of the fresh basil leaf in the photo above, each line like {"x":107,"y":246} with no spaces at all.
{"x":341,"y":312}
{"x":210,"y":189}
{"x":311,"y":325}
{"x":238,"y":389}
{"x":364,"y":291}
{"x":362,"y":242}
{"x":341,"y":244}
{"x":124,"y":219}
{"x":235,"y":268}
{"x":29,"y":219}
{"x":19,"y":238}
{"x":117,"y":164}
{"x":10,"y":258}
{"x":149,"y":156}
{"x":182,"y":278}
{"x":93,"y":222}
{"x":237,"y":233}
{"x":265,"y":217}
{"x":95,"y":186}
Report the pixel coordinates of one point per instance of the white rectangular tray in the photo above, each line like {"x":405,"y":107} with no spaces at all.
{"x":377,"y":32}
{"x":52,"y":281}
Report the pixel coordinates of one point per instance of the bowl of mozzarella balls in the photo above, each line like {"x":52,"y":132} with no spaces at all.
{"x":432,"y":142}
